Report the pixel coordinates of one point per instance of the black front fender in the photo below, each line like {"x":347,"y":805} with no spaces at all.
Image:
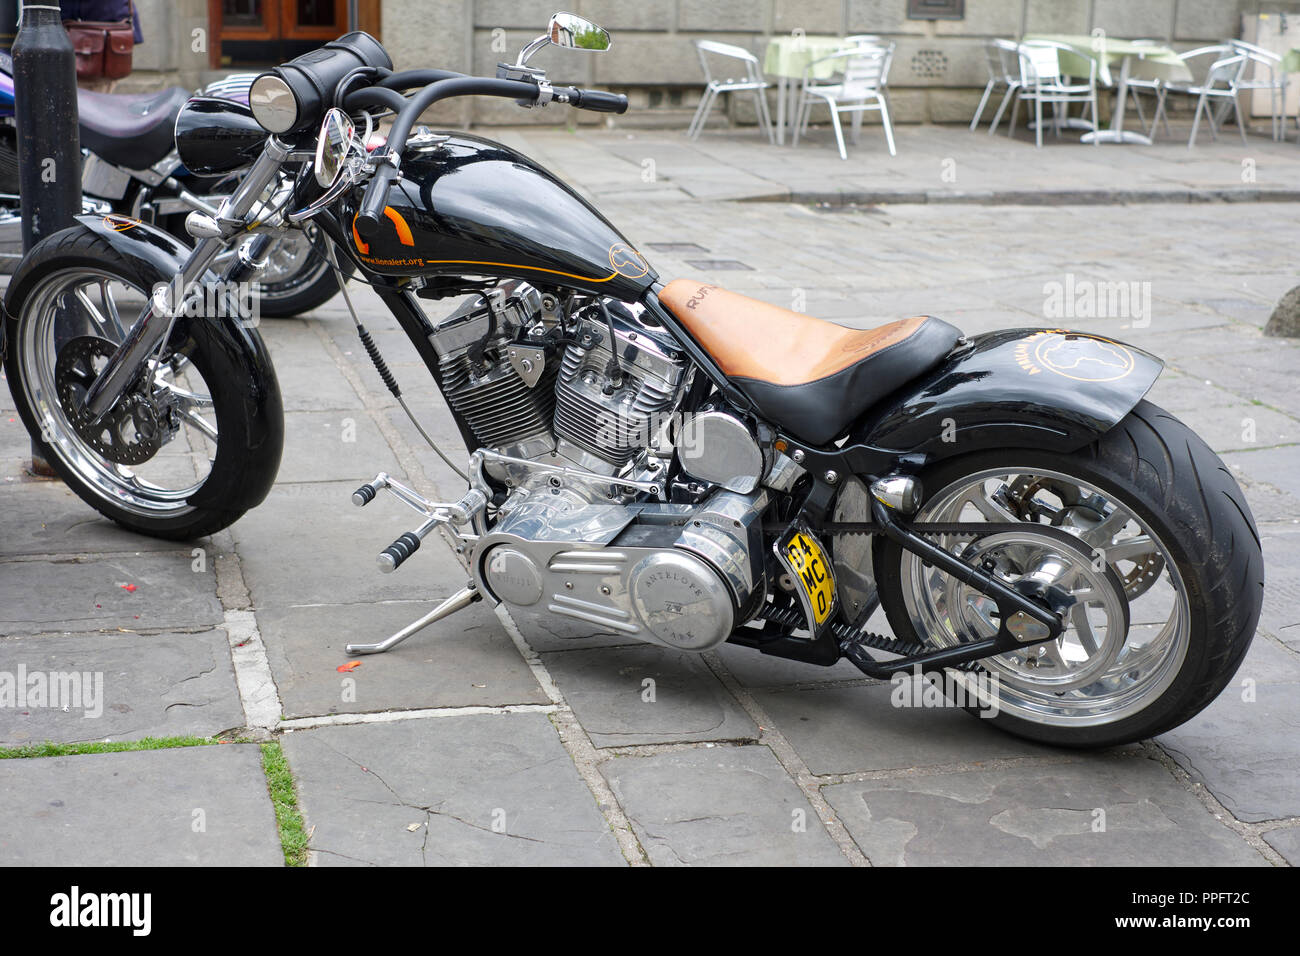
{"x":154,"y":257}
{"x":1017,"y":388}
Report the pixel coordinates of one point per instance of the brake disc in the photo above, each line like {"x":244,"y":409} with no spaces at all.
{"x":1147,"y":567}
{"x":132,"y":431}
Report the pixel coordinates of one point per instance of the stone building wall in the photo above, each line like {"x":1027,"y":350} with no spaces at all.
{"x":938,"y":68}
{"x":937,"y":75}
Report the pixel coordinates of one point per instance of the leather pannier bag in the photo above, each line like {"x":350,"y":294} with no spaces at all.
{"x":103,"y":49}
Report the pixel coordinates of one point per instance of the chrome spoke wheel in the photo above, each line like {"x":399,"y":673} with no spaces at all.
{"x":155,"y":448}
{"x":1128,"y":630}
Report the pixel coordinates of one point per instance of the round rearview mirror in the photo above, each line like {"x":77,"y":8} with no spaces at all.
{"x":337,"y":133}
{"x":573,"y":32}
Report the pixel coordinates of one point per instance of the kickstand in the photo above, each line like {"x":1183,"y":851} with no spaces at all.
{"x":461,"y":599}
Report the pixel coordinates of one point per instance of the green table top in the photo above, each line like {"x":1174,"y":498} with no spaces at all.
{"x":1150,"y":61}
{"x":789,"y":55}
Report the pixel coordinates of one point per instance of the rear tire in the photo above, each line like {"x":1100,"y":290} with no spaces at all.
{"x":1187,"y":501}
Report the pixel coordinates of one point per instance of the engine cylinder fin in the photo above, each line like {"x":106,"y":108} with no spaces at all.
{"x":499,"y":407}
{"x":616,"y":426}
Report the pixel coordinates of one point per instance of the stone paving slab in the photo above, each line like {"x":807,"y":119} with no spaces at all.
{"x":719,"y":806}
{"x":431,"y":792}
{"x":753,"y":668}
{"x":195,"y":806}
{"x":737,"y":164}
{"x":129,"y":686}
{"x":1280,"y":467}
{"x":853,"y":729}
{"x":1286,"y":842}
{"x":44,"y":517}
{"x":309,"y":379}
{"x":74,"y":594}
{"x":465,"y":660}
{"x":609,"y":692}
{"x":308,"y":544}
{"x":1281,"y":614}
{"x":1038,"y":814}
{"x":1269,"y":661}
{"x":15,"y":443}
{"x":1245,"y":751}
{"x":334,"y":446}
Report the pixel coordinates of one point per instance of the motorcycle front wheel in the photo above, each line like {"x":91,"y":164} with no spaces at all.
{"x":188,"y":433}
{"x":1166,"y":575}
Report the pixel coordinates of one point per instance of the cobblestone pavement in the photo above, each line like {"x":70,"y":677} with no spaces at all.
{"x":471,"y":743}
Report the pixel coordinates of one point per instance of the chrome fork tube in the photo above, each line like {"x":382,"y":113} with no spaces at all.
{"x":155,"y":320}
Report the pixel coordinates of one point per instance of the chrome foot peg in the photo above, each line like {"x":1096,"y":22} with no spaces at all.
{"x":391,"y":558}
{"x":441,"y":515}
{"x":458,"y":601}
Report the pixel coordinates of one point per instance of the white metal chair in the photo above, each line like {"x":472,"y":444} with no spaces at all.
{"x":1041,"y":82}
{"x":1009,"y":61}
{"x":863,"y":73}
{"x":1137,"y":86}
{"x":1267,"y":74}
{"x":1000,"y":61}
{"x":1221,"y":83}
{"x":752,"y":81}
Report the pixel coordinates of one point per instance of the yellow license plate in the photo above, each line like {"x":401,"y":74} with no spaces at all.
{"x":813,"y":573}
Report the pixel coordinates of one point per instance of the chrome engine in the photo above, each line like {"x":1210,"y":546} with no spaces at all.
{"x":683,"y":576}
{"x":573,"y":414}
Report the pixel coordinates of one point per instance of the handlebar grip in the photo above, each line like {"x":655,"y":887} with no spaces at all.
{"x":600,"y":101}
{"x":372,"y":204}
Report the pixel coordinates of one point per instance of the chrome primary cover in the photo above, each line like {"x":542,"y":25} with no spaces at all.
{"x":681,"y":600}
{"x":681,"y":576}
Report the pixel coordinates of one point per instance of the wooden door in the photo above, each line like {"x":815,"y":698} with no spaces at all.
{"x":280,"y":25}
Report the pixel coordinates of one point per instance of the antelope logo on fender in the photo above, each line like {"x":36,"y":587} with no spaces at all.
{"x":403,"y":231}
{"x":1083,"y":358}
{"x":627,"y":262}
{"x":120,"y":223}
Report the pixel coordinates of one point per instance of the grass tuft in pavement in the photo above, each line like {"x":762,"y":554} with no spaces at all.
{"x":104,"y":747}
{"x":279,"y":782}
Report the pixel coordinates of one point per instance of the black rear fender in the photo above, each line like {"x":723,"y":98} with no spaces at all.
{"x":1017,"y":388}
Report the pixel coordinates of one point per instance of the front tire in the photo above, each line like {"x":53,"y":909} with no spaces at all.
{"x":76,"y":291}
{"x":1162,"y":513}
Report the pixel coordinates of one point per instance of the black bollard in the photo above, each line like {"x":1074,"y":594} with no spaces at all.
{"x":49,"y":147}
{"x":8,"y":30}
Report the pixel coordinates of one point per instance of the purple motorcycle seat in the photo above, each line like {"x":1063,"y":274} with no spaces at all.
{"x":134,"y":130}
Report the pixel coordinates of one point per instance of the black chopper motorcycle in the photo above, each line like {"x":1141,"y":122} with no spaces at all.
{"x":130,"y":167}
{"x":665,"y":461}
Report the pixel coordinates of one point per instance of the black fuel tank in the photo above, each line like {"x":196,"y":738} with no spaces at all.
{"x":471,"y":206}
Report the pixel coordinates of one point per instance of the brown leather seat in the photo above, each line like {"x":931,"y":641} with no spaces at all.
{"x":810,"y":376}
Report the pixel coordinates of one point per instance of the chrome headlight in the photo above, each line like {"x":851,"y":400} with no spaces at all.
{"x":273,"y":103}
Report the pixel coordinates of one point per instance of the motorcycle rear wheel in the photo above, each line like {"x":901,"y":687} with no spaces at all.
{"x":1156,"y":509}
